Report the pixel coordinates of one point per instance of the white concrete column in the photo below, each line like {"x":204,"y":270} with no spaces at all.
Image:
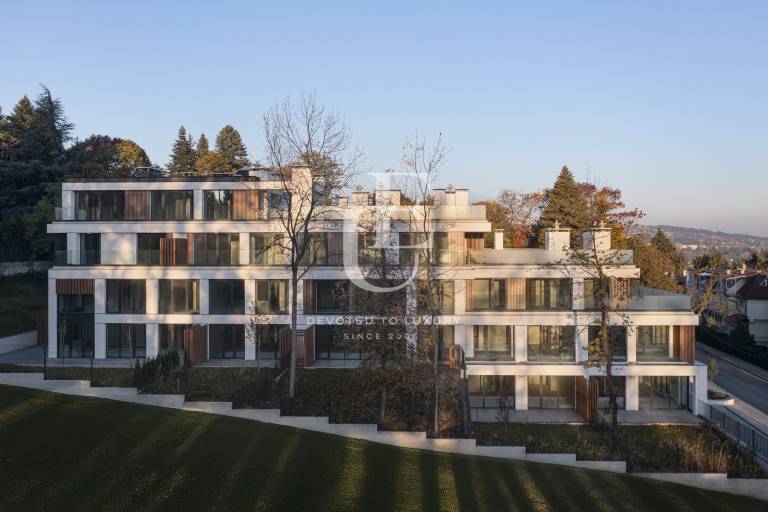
{"x":245,"y":242}
{"x":204,"y":302}
{"x":197,"y":204}
{"x":521,"y":392}
{"x":67,"y":205}
{"x":299,"y":297}
{"x":460,"y":296}
{"x":53,"y":337}
{"x":250,"y":343}
{"x":469,"y":339}
{"x":631,"y":344}
{"x":578,"y":293}
{"x":73,"y":248}
{"x":100,"y":341}
{"x":99,"y":296}
{"x":700,"y":383}
{"x":153,"y":296}
{"x":582,"y":343}
{"x":460,"y":338}
{"x":250,"y":296}
{"x":520,"y":343}
{"x":632,"y":393}
{"x":153,"y":340}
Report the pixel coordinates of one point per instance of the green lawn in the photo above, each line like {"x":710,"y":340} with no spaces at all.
{"x":65,"y":453}
{"x":21,"y":299}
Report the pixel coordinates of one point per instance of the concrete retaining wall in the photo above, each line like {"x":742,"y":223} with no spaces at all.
{"x":755,"y":487}
{"x":18,"y":341}
{"x":11,"y":268}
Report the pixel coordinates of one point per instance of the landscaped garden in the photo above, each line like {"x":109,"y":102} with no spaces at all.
{"x":60,"y":452}
{"x":22,"y":299}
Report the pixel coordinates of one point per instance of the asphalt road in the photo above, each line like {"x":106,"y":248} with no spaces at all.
{"x":745,"y":381}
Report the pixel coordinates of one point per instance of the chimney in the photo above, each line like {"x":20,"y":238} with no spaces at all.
{"x":557,"y":238}
{"x":498,"y":239}
{"x":600,"y":236}
{"x":450,"y":196}
{"x":359,"y":196}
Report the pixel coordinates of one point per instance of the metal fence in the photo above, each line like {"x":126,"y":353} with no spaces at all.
{"x":739,"y":429}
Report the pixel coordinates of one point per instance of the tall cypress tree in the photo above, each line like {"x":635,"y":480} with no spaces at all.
{"x":202,"y":146}
{"x":564,"y":204}
{"x":182,"y":154}
{"x":230,"y":144}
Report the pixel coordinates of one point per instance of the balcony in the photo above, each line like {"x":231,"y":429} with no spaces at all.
{"x":643,"y":298}
{"x":528,"y":257}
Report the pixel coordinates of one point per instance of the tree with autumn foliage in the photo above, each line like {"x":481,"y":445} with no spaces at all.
{"x":608,"y":207}
{"x":516,"y":213}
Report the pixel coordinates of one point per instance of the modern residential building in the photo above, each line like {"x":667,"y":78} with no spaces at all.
{"x":145,"y":265}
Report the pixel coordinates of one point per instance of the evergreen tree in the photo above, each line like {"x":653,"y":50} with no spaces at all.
{"x":662,"y":242}
{"x":182,"y":154}
{"x":51,"y":128}
{"x":565,"y":204}
{"x":202,"y":146}
{"x":230,"y":144}
{"x":17,"y":132}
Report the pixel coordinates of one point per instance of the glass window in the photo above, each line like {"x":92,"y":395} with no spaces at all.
{"x":126,"y":296}
{"x":172,"y":205}
{"x":266,"y":249}
{"x":218,"y":205}
{"x":90,"y":248}
{"x":227,"y":296}
{"x":100,"y":205}
{"x":654,"y":344}
{"x":227,"y":341}
{"x":126,"y":340}
{"x":171,"y":336}
{"x":331,"y":295}
{"x":617,"y":337}
{"x":485,"y":390}
{"x":268,"y":341}
{"x":271,"y":296}
{"x":551,"y":392}
{"x":179,"y":296}
{"x":603,"y":395}
{"x":75,"y":335}
{"x":148,"y":248}
{"x":330,"y":343}
{"x":548,"y":294}
{"x":492,"y":342}
{"x":444,"y":340}
{"x":551,"y":343}
{"x":216,"y":249}
{"x":75,"y":303}
{"x":489,"y":294}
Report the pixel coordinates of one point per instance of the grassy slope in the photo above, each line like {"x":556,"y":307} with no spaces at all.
{"x":61,"y":453}
{"x":21,"y":299}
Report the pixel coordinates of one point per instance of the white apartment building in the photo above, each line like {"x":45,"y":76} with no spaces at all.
{"x":142,"y":263}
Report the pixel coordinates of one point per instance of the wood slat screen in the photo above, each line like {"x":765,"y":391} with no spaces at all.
{"x":309,"y":297}
{"x":456,"y":247}
{"x":74,"y":286}
{"x":196,"y":344}
{"x":475,"y":240}
{"x":586,"y":398}
{"x":246,"y":205}
{"x":285,"y":347}
{"x":174,"y":251}
{"x":42,"y":327}
{"x":309,"y":346}
{"x":137,"y":205}
{"x":335,"y":248}
{"x":516,"y":293}
{"x":685,"y":335}
{"x":469,"y":288}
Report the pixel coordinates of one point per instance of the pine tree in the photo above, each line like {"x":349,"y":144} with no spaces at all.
{"x":51,"y":128}
{"x":230,"y":144}
{"x":202,"y":146}
{"x":182,"y":154}
{"x":565,"y":204}
{"x":662,"y":242}
{"x":18,"y":132}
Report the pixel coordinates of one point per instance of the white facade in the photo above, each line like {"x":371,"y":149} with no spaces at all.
{"x":495,"y":339}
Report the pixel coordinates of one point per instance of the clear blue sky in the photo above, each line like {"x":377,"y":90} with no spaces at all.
{"x":666,"y":100}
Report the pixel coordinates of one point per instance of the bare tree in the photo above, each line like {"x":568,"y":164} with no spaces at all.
{"x":310,"y":156}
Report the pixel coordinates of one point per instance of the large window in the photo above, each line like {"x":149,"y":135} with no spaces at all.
{"x":486,"y":390}
{"x":551,"y":343}
{"x":126,"y":340}
{"x":445,"y":339}
{"x":148,"y":248}
{"x":268,"y":340}
{"x":227,"y":341}
{"x":617,"y":338}
{"x":100,"y":205}
{"x":489,"y":294}
{"x":216,"y":249}
{"x":317,"y":250}
{"x":271,"y":296}
{"x":74,"y":329}
{"x":266,"y":249}
{"x":75,"y":302}
{"x":218,"y":205}
{"x":126,"y":296}
{"x":179,"y":296}
{"x":492,"y":342}
{"x":90,"y":249}
{"x":442,"y":297}
{"x":227,"y":296}
{"x":663,"y":393}
{"x":331,"y":343}
{"x":331,"y":296}
{"x":551,"y":392}
{"x":172,"y":205}
{"x":654,"y":343}
{"x":603,"y":393}
{"x":171,"y":336}
{"x":543,"y":294}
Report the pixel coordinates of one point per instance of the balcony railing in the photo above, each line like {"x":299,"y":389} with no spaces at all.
{"x":643,"y":298}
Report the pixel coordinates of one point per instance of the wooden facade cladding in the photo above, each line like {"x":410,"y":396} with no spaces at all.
{"x":196,"y":344}
{"x":335,"y":248}
{"x":586,"y":398}
{"x":309,"y":346}
{"x":309,"y":297}
{"x":246,"y":205}
{"x":305,"y":341}
{"x":137,"y":205}
{"x":456,"y":247}
{"x":685,"y":335}
{"x":42,"y":328}
{"x":516,"y":293}
{"x":469,"y":293}
{"x":175,"y":251}
{"x":74,"y":286}
{"x":475,"y":240}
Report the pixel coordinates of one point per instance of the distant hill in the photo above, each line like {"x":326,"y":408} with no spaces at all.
{"x":696,"y":241}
